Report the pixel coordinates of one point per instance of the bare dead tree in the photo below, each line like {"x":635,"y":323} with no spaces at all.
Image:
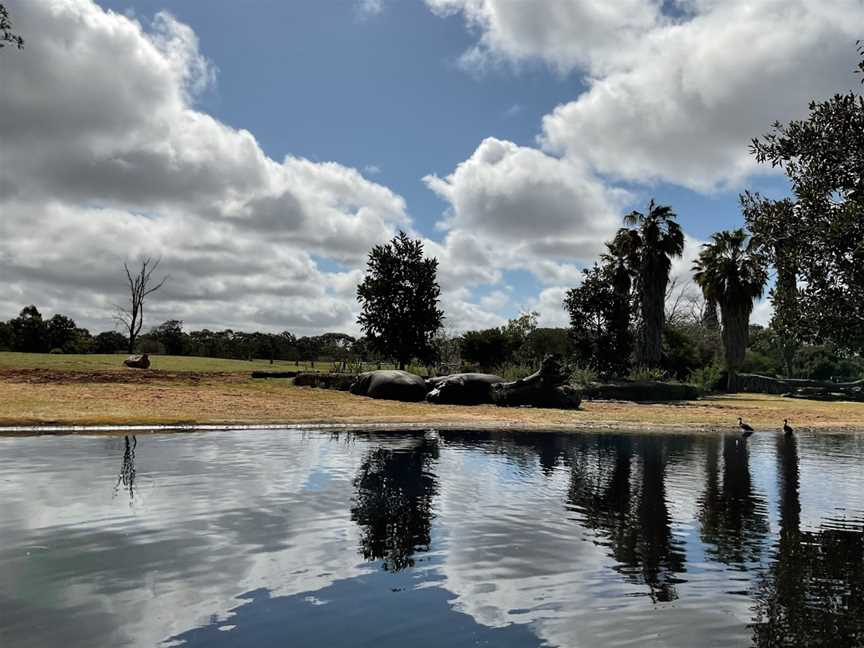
{"x":685,"y":304}
{"x":141,"y":285}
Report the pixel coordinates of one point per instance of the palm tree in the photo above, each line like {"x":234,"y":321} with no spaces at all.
{"x":731,"y":271}
{"x":617,"y":261}
{"x":655,"y":238}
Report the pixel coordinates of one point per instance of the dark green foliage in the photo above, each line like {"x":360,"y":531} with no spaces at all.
{"x":824,"y":363}
{"x":486,"y":349}
{"x":171,"y":336}
{"x":62,"y":333}
{"x":399,"y":299}
{"x":29,"y":331}
{"x":598,"y":339}
{"x":109,"y":342}
{"x":823,"y":156}
{"x":6,"y":33}
{"x":731,"y":272}
{"x":548,"y":341}
{"x":779,"y":235}
{"x":519,"y":342}
{"x":680,"y":353}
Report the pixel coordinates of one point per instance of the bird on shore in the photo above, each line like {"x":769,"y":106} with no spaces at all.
{"x":788,"y":429}
{"x":746,"y":430}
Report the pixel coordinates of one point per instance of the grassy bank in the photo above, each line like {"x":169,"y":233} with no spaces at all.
{"x":45,"y":389}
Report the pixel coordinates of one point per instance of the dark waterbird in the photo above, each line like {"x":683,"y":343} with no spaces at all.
{"x":788,"y":429}
{"x":746,"y":430}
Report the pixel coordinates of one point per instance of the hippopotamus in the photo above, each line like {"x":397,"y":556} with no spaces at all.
{"x":390,"y":384}
{"x":462,"y":389}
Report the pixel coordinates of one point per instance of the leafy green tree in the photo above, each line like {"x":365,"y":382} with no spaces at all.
{"x":6,"y":33}
{"x":62,"y":333}
{"x":109,"y":342}
{"x":652,"y":240}
{"x":731,"y":271}
{"x":823,"y":156}
{"x":592,"y":310}
{"x":399,"y":299}
{"x":517,"y":332}
{"x":7,"y":337}
{"x":30,"y":331}
{"x":82,"y":342}
{"x":171,"y":336}
{"x":777,"y":231}
{"x":487,"y":348}
{"x":548,"y":341}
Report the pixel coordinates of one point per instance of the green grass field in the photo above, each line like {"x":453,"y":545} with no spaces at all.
{"x":95,"y":362}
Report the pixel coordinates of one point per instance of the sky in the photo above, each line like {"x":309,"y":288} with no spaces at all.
{"x":261,"y":148}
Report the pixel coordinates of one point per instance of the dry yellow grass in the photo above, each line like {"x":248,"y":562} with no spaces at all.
{"x":39,"y":397}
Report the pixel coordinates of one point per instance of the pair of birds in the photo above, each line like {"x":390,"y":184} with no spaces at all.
{"x":746,"y":430}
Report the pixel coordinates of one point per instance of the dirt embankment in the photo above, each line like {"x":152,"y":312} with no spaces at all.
{"x":126,"y":396}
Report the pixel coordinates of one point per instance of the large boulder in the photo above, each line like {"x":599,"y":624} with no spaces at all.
{"x":462,"y":389}
{"x":138,"y":361}
{"x":545,"y":388}
{"x":390,"y":384}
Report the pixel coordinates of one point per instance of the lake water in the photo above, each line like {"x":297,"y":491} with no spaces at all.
{"x":287,"y":538}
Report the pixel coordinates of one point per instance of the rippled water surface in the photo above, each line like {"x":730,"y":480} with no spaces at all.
{"x":284,"y":538}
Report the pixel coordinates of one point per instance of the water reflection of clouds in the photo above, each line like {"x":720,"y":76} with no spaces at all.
{"x":262,"y":528}
{"x":582,"y":540}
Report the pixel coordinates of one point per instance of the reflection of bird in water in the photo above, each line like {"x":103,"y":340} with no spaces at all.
{"x":745,"y":429}
{"x":788,"y":429}
{"x":127,"y":468}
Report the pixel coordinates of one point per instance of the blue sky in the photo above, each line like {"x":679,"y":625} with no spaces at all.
{"x":512,"y":136}
{"x":327,"y":81}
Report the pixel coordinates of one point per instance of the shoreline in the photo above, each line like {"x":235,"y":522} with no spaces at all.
{"x":70,"y":402}
{"x":371,"y":427}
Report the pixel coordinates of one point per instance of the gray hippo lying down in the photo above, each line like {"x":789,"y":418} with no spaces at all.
{"x":390,"y":384}
{"x":462,"y":389}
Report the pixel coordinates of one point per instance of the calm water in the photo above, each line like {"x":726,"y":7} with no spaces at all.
{"x":436,"y":539}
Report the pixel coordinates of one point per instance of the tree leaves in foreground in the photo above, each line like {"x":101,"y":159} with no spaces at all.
{"x":6,"y":33}
{"x":731,"y":271}
{"x":778,"y":233}
{"x":823,"y":156}
{"x":399,"y":299}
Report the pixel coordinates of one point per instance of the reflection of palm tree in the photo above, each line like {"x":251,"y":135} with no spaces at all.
{"x":630,"y":513}
{"x":127,"y":468}
{"x":733,"y":518}
{"x":813,"y":593}
{"x":393,"y":503}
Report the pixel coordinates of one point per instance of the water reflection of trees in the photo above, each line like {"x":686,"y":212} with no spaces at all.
{"x":621,"y":494}
{"x":733,"y":518}
{"x":126,"y":478}
{"x":394,"y":489}
{"x":813,"y":592}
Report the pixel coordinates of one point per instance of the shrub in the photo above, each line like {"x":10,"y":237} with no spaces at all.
{"x":706,"y":378}
{"x":56,"y":351}
{"x":642,"y":374}
{"x":583,"y":376}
